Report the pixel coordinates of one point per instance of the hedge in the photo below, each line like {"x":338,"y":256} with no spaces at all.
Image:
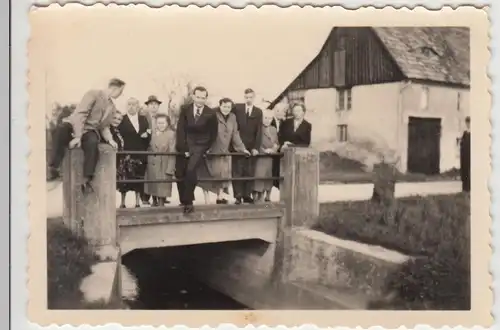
{"x":435,"y":230}
{"x":69,"y":261}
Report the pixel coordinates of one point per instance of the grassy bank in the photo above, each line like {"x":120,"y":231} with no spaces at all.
{"x":69,"y":261}
{"x":434,"y":229}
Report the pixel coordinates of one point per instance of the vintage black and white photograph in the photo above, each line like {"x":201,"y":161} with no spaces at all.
{"x":260,"y":159}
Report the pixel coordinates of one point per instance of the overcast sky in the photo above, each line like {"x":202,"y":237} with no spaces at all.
{"x":77,"y":48}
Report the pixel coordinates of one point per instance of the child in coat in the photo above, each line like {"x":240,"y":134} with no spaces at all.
{"x":264,"y":165}
{"x":161,"y":167}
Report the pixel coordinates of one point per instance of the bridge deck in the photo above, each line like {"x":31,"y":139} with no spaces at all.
{"x":168,"y":226}
{"x":203,"y":213}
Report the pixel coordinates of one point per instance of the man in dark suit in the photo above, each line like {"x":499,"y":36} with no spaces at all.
{"x":249,"y":119}
{"x":465,"y":157}
{"x":86,"y":127}
{"x":196,"y":132}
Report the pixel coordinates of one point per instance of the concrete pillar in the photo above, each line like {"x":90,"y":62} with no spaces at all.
{"x":299,"y":189}
{"x":93,"y":216}
{"x":299,"y":193}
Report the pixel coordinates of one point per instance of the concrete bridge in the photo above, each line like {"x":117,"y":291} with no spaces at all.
{"x":256,"y":270}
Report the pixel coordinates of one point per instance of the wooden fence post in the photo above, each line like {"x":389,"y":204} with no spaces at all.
{"x":299,"y":193}
{"x":93,"y":215}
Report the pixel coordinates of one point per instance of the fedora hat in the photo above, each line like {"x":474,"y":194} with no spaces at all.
{"x":152,"y":98}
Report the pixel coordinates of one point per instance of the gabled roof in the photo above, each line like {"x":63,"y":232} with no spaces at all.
{"x":440,"y":54}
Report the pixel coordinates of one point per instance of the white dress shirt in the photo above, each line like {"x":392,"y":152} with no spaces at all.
{"x":195,"y":110}
{"x":296,"y":124}
{"x":248,"y":110}
{"x":134,"y":120}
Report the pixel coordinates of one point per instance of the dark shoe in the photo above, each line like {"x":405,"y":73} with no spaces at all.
{"x":53,"y":174}
{"x":123,"y":206}
{"x":145,"y":202}
{"x":221,"y":201}
{"x":248,"y":200}
{"x":188,"y":209}
{"x":137,"y":206}
{"x":267,"y":200}
{"x":155,"y":203}
{"x":224,"y":201}
{"x":238,"y":201}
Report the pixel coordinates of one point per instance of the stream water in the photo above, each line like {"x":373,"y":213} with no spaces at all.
{"x":163,"y":285}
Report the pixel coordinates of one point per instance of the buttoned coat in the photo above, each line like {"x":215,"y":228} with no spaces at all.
{"x":228,"y":137}
{"x":264,"y":165}
{"x":159,"y":166}
{"x":93,"y":113}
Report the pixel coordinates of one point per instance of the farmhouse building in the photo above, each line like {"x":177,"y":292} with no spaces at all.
{"x":405,"y":88}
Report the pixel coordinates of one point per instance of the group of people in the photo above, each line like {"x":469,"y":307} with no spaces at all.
{"x":250,"y":132}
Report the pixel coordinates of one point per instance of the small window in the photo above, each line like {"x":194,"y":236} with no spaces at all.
{"x":424,"y":100}
{"x":344,"y":99}
{"x":342,"y":133}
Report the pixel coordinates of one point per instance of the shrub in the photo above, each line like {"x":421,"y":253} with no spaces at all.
{"x":69,"y":261}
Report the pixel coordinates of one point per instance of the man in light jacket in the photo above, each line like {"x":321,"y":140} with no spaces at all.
{"x":85,"y":128}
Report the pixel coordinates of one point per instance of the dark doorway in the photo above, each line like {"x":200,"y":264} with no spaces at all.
{"x":424,"y":137}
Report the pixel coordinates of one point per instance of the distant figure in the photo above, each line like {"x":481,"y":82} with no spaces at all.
{"x":135,"y":131}
{"x":264,"y":165}
{"x":161,"y":166}
{"x":249,"y":119}
{"x":295,"y":131}
{"x":196,"y":132}
{"x":152,"y":107}
{"x":465,"y":157}
{"x":86,"y":127}
{"x":220,"y":166}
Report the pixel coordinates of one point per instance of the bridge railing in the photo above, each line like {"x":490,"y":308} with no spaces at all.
{"x":94,"y":214}
{"x":201,"y":179}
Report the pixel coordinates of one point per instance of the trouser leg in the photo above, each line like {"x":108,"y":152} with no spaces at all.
{"x":191,"y":177}
{"x":90,"y":143}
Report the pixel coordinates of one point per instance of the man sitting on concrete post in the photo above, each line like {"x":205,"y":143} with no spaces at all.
{"x":82,"y":128}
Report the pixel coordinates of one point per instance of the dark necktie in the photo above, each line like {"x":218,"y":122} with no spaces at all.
{"x":198,"y":114}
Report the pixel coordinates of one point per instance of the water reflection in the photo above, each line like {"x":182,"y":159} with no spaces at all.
{"x":163,"y":285}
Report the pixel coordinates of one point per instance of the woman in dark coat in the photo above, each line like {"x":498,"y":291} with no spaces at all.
{"x":136,"y":134}
{"x":465,"y":157}
{"x":293,"y":132}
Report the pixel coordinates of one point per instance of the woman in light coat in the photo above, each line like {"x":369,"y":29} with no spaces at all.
{"x":220,"y":166}
{"x":160,"y":166}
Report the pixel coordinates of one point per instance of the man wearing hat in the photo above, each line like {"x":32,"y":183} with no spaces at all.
{"x":465,"y":157}
{"x":153,"y":105}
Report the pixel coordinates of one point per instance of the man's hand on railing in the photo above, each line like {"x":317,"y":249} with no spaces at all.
{"x":186,"y":154}
{"x":113,"y":144}
{"x":255,"y":152}
{"x":247,"y":153}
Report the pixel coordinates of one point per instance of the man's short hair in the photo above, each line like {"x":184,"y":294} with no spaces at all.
{"x":225,"y":100}
{"x":249,"y":91}
{"x":115,"y":82}
{"x":200,"y":89}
